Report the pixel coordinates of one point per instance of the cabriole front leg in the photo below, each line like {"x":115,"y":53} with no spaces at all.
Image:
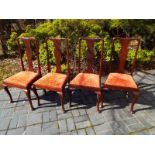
{"x":27,"y":92}
{"x":36,"y":94}
{"x":8,"y":92}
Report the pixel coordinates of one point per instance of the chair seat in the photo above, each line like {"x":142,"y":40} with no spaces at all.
{"x":21,"y":80}
{"x":120,"y":81}
{"x":52,"y":81}
{"x":86,"y":81}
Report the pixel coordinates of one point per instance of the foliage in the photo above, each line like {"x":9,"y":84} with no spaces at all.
{"x":76,"y":28}
{"x":43,"y":53}
{"x":11,"y":43}
{"x":144,"y":55}
{"x":63,"y":68}
{"x":145,"y":29}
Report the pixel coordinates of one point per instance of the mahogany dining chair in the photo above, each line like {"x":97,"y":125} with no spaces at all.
{"x":25,"y":78}
{"x":55,"y":81}
{"x":120,"y":79}
{"x":87,"y":78}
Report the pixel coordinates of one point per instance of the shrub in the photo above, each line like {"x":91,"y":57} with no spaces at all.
{"x":145,"y":55}
{"x":11,"y":43}
{"x":74,"y":29}
{"x":43,"y":53}
{"x":63,"y":68}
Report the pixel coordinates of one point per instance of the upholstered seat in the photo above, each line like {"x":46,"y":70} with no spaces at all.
{"x":21,"y":80}
{"x":120,"y":81}
{"x":52,"y":81}
{"x":86,"y":81}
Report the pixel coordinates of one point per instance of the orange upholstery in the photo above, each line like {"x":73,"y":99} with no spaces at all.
{"x":52,"y":81}
{"x":86,"y":81}
{"x":21,"y":80}
{"x":120,"y":81}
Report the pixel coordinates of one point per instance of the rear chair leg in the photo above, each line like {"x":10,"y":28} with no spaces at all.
{"x":135,"y":95}
{"x":61,"y":95}
{"x":99,"y":100}
{"x":102,"y":97}
{"x":126,"y":94}
{"x":70,"y":97}
{"x":27,"y":92}
{"x":44,"y":91}
{"x":37,"y":96}
{"x":8,"y":92}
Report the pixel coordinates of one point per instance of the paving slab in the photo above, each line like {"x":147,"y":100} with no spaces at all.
{"x":33,"y":130}
{"x":48,"y":119}
{"x":17,"y":131}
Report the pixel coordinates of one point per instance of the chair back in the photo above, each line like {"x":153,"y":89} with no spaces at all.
{"x":90,"y":55}
{"x":128,"y":48}
{"x":28,"y":45}
{"x":60,"y":53}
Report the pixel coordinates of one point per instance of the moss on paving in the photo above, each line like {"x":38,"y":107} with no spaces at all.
{"x":141,"y":130}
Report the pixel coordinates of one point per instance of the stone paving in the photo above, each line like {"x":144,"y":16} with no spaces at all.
{"x":82,"y":119}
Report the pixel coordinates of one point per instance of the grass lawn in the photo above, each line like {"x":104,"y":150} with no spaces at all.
{"x":8,"y":67}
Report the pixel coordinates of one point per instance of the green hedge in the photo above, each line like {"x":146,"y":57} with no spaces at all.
{"x":73,"y":29}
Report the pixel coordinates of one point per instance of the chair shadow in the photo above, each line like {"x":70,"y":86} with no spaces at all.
{"x":142,"y":109}
{"x":82,"y":99}
{"x":113,"y":100}
{"x":147,"y":87}
{"x":87,"y":99}
{"x":51,"y":100}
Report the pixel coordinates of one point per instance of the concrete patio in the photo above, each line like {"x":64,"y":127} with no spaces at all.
{"x":115,"y":119}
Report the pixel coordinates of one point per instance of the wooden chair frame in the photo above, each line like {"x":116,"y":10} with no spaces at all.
{"x":57,"y":55}
{"x":121,"y":68}
{"x":123,"y":54}
{"x":27,"y":42}
{"x":90,"y":55}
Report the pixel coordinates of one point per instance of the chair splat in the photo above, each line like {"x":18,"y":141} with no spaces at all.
{"x":28,"y":48}
{"x":57,"y":52}
{"x":123,"y":55}
{"x":90,"y":42}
